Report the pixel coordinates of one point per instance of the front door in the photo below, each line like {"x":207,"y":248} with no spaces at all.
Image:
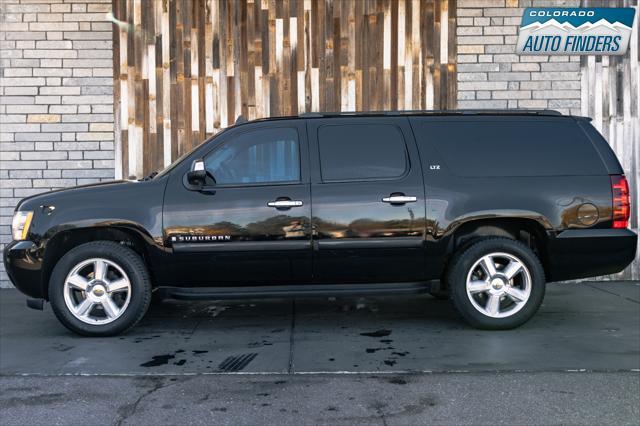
{"x":251,"y":225}
{"x":368,"y":201}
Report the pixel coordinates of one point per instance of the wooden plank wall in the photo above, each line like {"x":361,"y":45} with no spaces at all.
{"x":185,"y":69}
{"x":611,"y":97}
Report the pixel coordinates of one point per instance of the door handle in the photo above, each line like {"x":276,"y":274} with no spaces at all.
{"x":399,"y":199}
{"x":284,"y":204}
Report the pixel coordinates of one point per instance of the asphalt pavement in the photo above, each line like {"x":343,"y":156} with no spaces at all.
{"x":372,"y":360}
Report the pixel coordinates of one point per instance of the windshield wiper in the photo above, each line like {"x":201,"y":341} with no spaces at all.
{"x":149,"y":177}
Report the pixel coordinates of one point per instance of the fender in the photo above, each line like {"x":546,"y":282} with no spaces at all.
{"x":113,"y":211}
{"x":58,"y":240}
{"x":497,"y":214}
{"x":113,"y":224}
{"x":440,"y":233}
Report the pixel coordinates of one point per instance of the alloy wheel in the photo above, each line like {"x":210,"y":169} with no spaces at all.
{"x":97,"y":291}
{"x":498,"y":285}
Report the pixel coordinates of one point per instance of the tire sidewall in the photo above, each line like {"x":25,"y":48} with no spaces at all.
{"x":458,"y":283}
{"x":124,"y":258}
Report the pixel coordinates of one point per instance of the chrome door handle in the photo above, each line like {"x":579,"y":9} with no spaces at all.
{"x":284,"y":204}
{"x":399,"y":199}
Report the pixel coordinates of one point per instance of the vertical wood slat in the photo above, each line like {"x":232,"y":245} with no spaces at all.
{"x":185,"y":69}
{"x":610,"y":88}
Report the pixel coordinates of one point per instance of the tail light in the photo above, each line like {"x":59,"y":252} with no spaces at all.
{"x":621,"y":201}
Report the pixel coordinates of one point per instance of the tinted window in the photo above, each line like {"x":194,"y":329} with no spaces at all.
{"x":361,"y":151}
{"x":259,"y":156}
{"x":606,"y":152}
{"x":513,"y":147}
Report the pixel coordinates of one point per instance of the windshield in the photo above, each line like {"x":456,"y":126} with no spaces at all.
{"x":173,"y":165}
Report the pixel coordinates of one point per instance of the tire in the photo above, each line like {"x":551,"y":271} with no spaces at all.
{"x":79,"y":299}
{"x":490,"y":301}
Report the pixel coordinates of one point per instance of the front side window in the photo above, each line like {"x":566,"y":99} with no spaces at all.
{"x":258,"y":156}
{"x":361,"y":152}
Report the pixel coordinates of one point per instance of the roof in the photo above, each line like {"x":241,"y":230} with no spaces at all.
{"x":444,"y":112}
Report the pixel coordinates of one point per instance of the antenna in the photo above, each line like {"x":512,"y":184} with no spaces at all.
{"x":241,"y":119}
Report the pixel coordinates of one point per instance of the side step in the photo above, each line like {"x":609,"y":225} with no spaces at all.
{"x":298,"y":290}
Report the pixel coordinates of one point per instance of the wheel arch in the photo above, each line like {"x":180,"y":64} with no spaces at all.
{"x":61,"y":242}
{"x":529,"y":231}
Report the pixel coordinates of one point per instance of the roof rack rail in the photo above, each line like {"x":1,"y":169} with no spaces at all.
{"x":509,"y":111}
{"x":549,"y":112}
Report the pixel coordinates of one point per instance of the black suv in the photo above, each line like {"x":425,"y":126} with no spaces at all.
{"x":481,"y":206}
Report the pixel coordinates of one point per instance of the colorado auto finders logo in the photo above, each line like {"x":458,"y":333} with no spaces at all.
{"x":575,"y":31}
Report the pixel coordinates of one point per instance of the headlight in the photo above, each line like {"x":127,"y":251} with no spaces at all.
{"x":20,"y":225}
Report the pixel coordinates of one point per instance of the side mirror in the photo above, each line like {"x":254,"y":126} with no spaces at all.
{"x":197,"y":174}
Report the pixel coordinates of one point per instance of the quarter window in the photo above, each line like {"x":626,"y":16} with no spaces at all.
{"x":473,"y":147}
{"x":361,"y":152}
{"x":259,"y":156}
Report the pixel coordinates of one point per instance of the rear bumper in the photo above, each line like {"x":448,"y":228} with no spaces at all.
{"x":24,"y":267}
{"x":582,"y":253}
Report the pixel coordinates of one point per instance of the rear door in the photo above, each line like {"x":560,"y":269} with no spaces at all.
{"x":368,"y":209}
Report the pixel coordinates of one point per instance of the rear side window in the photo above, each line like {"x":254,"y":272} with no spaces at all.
{"x":361,"y":152}
{"x":513,"y":147}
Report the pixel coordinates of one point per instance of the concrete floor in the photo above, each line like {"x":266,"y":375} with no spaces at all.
{"x":365,"y":399}
{"x":582,"y":346}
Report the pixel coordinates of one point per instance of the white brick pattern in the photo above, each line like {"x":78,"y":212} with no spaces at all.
{"x":491,"y":75}
{"x":56,"y":99}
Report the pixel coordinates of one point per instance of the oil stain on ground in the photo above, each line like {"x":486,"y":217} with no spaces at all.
{"x":379,"y":333}
{"x":158,"y":360}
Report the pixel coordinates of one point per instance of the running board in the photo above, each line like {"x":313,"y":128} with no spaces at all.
{"x":303,"y":290}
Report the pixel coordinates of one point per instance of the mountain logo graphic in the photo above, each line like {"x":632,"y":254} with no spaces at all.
{"x":575,"y":31}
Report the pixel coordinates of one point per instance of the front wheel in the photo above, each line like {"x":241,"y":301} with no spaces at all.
{"x":496,"y":283}
{"x":100,"y":289}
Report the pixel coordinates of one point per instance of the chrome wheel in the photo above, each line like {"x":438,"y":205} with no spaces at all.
{"x":498,"y":285}
{"x":97,"y":291}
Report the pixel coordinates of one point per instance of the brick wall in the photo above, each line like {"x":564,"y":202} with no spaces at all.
{"x":492,"y":75}
{"x":56,"y":99}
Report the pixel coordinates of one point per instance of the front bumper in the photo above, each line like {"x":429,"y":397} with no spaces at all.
{"x":582,"y":253}
{"x":24,"y":267}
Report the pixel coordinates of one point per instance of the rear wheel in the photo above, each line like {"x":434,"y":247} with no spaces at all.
{"x":100,"y":289}
{"x":496,"y":283}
